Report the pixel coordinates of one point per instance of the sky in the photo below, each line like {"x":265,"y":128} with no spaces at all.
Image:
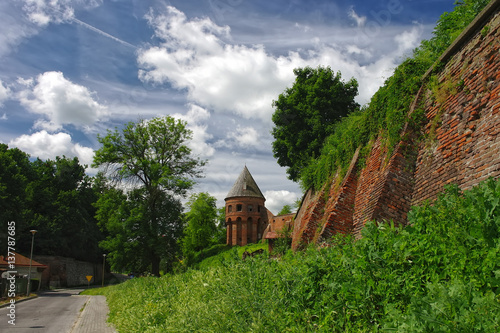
{"x":72,"y":69}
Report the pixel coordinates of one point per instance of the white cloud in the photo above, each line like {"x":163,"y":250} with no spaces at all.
{"x":48,"y":146}
{"x":4,"y":93}
{"x":43,"y":12}
{"x":275,"y":200}
{"x":360,"y":20}
{"x":197,"y":56}
{"x":195,"y":118}
{"x":61,"y":102}
{"x":245,"y":137}
{"x":409,"y":40}
{"x":228,"y":78}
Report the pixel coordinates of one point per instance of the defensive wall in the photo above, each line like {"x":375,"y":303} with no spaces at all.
{"x":458,"y":143}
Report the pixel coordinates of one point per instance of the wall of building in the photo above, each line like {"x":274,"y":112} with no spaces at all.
{"x":245,"y":226}
{"x":459,"y":143}
{"x":67,"y":272}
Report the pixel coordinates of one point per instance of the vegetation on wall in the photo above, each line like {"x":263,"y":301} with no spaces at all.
{"x":388,"y":109}
{"x":439,"y":274}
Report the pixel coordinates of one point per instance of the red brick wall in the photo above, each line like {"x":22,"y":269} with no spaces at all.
{"x":461,"y":145}
{"x":308,"y":218}
{"x":244,"y":226}
{"x":465,"y":146}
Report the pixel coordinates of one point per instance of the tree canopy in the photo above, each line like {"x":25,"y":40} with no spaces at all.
{"x":153,"y":157}
{"x":54,"y":197}
{"x":201,"y":224}
{"x":306,"y":114}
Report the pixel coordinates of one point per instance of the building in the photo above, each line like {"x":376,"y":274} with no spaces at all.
{"x":247,"y":218}
{"x":21,"y":269}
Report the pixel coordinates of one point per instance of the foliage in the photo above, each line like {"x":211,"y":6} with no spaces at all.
{"x":440,"y":274}
{"x":387,"y":111}
{"x":153,"y":156}
{"x":285,"y":210}
{"x":53,"y":197}
{"x":201,"y":225}
{"x":15,"y":174}
{"x":306,"y":113}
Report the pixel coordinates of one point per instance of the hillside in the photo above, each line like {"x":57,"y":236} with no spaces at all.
{"x":441,"y":274}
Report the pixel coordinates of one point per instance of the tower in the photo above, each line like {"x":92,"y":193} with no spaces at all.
{"x":246,"y":215}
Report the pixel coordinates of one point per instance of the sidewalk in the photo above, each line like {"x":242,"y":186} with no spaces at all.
{"x":93,"y":317}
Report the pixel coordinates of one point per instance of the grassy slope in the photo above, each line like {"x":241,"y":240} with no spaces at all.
{"x":441,"y":274}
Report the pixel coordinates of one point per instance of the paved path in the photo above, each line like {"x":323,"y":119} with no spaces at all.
{"x":61,"y":311}
{"x":93,"y":317}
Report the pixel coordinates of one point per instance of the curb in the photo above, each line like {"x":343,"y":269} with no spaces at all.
{"x":19,"y":301}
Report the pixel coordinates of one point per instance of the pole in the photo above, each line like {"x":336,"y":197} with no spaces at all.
{"x":103,"y":262}
{"x":33,"y":232}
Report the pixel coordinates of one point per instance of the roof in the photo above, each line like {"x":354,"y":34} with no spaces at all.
{"x":21,"y":261}
{"x":245,"y":186}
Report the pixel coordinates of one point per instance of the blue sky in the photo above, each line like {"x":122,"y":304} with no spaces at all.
{"x":70,"y":70}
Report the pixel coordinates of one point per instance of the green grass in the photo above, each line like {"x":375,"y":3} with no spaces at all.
{"x":441,"y":274}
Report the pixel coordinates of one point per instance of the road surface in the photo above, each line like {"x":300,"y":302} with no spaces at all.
{"x":52,"y":311}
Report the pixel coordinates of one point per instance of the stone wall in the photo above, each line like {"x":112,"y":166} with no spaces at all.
{"x":459,"y":143}
{"x":67,"y":272}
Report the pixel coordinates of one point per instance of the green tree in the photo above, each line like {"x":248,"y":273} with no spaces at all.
{"x":15,"y":174}
{"x":285,"y":210}
{"x":153,"y":157}
{"x":124,"y":219}
{"x":201,"y":224}
{"x":306,"y":114}
{"x":60,"y":199}
{"x":221,"y":225}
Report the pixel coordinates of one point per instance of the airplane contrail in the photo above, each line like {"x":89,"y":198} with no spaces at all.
{"x":105,"y":34}
{"x":99,"y":31}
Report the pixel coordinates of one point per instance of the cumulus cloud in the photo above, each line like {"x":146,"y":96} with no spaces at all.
{"x":47,"y":146}
{"x":408,"y":40}
{"x":61,"y":102}
{"x":228,"y":78}
{"x":198,"y":56}
{"x":275,"y":200}
{"x":196,"y":119}
{"x":245,"y":137}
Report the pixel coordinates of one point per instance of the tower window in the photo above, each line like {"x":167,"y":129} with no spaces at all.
{"x":229,"y":208}
{"x":250,"y":208}
{"x":239,"y":208}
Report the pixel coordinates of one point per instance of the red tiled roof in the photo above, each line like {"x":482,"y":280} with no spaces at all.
{"x":21,"y":261}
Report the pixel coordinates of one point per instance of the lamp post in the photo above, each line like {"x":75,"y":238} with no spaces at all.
{"x":103,"y":261}
{"x":33,"y":232}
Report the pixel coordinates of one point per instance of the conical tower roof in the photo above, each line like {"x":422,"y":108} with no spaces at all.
{"x":245,"y":186}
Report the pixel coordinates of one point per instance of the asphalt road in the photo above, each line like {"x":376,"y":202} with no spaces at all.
{"x":52,"y":311}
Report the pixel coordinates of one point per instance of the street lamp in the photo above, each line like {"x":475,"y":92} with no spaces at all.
{"x":33,"y":232}
{"x":103,"y":261}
